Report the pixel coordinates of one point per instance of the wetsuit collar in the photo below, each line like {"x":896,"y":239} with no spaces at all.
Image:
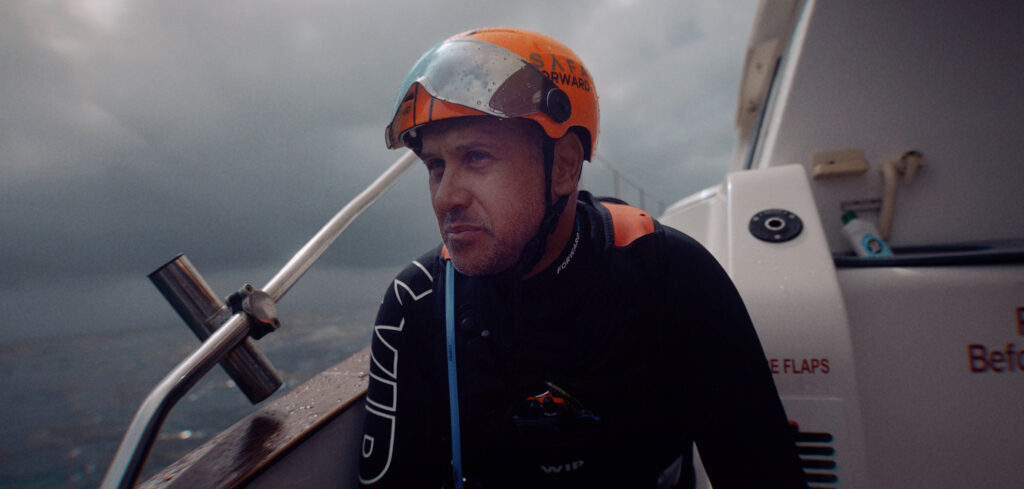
{"x":572,"y":251}
{"x":572,"y":255}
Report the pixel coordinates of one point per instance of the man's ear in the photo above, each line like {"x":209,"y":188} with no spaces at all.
{"x":568,"y":162}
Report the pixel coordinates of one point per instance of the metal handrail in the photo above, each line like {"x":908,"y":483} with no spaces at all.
{"x":297,"y":266}
{"x":138,"y":440}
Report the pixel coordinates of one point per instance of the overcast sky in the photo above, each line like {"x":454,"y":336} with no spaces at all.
{"x":232,"y":130}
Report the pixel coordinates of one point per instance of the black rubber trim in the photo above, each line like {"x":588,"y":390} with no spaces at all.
{"x":937,"y":256}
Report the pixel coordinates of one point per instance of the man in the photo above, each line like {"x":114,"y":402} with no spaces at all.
{"x":554,"y":340}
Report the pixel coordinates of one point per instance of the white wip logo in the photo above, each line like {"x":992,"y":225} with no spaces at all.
{"x":557,"y":469}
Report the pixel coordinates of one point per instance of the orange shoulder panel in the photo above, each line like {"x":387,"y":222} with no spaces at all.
{"x":629,"y":223}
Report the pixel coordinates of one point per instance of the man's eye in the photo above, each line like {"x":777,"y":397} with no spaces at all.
{"x":477,"y":156}
{"x":434,"y":167}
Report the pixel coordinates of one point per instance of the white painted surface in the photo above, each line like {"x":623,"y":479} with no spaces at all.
{"x":930,"y":421}
{"x":887,"y":77}
{"x":792,"y":294}
{"x":944,"y":79}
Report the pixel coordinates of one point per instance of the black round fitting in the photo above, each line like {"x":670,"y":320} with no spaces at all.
{"x":775,"y":225}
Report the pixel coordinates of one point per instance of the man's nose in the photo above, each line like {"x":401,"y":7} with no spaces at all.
{"x":452,"y":191}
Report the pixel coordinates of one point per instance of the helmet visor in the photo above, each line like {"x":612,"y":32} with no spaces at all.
{"x":473,"y":74}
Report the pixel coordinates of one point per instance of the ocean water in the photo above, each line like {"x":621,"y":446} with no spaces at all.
{"x":74,"y":373}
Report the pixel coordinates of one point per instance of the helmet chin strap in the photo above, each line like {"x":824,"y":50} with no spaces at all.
{"x":534,"y":249}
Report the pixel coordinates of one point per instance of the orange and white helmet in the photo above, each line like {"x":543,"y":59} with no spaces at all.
{"x":501,"y":72}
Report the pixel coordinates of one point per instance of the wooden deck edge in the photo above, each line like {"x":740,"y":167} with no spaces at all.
{"x":239,"y":453}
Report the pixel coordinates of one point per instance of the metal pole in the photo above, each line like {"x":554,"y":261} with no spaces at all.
{"x":194,"y":300}
{"x":138,"y":440}
{"x":297,"y":266}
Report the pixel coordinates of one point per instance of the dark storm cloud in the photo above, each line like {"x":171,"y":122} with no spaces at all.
{"x":233,"y":130}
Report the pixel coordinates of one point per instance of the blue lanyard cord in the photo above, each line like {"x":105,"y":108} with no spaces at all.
{"x":453,"y":378}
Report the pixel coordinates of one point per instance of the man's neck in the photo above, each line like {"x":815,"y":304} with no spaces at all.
{"x":558,"y":239}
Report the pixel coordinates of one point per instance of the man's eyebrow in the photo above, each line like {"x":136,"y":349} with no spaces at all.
{"x":461,"y":148}
{"x":476,"y":144}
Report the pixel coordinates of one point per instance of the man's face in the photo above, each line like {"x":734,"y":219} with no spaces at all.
{"x":486,"y":188}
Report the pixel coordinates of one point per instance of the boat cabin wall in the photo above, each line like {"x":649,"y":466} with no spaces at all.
{"x":940,"y":78}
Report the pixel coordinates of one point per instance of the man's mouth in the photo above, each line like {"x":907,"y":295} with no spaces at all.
{"x":460,"y":230}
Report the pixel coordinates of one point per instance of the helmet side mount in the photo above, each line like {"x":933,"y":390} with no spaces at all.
{"x":557,"y":104}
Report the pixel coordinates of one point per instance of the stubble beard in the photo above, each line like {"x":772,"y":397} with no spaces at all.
{"x":495,"y":254}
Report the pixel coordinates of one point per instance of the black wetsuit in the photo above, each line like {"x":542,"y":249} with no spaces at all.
{"x":650,"y":340}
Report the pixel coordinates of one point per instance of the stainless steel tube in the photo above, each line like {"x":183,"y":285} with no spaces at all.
{"x":138,"y":440}
{"x":196,"y":303}
{"x":297,"y":266}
